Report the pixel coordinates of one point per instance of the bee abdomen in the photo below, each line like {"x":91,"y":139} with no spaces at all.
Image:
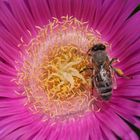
{"x":106,"y":96}
{"x":106,"y":93}
{"x":106,"y":90}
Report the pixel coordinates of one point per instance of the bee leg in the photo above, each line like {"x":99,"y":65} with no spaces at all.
{"x":89,"y":51}
{"x":120,"y":73}
{"x":92,"y":82}
{"x":113,"y":60}
{"x":86,"y":69}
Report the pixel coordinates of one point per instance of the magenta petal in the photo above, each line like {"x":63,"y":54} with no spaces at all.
{"x":128,"y":105}
{"x":110,"y":14}
{"x":22,"y":14}
{"x":42,"y":134}
{"x":35,"y":11}
{"x":128,"y":93}
{"x":125,"y":12}
{"x":6,"y":58}
{"x":131,"y":51}
{"x":8,"y":38}
{"x":127,"y":115}
{"x":96,"y":132}
{"x":5,"y":69}
{"x":7,"y":50}
{"x":117,"y":125}
{"x":94,"y":13}
{"x":5,"y":15}
{"x":108,"y":134}
{"x":123,"y":37}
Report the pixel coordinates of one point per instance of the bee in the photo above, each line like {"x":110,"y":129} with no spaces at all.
{"x":103,"y":73}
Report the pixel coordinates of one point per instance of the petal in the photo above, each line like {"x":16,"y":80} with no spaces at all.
{"x":114,"y":15}
{"x":117,"y":125}
{"x":125,"y":37}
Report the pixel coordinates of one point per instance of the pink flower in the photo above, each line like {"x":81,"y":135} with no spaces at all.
{"x":43,"y":45}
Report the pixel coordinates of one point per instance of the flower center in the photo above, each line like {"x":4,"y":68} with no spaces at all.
{"x":60,"y":76}
{"x":50,"y":72}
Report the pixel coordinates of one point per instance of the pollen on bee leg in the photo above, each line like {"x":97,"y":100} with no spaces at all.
{"x":50,"y":73}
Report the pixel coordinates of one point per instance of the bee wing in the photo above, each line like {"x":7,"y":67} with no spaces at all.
{"x":114,"y":81}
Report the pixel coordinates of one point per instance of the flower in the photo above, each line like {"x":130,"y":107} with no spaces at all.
{"x":43,"y":45}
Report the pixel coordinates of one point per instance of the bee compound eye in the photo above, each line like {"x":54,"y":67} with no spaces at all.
{"x":103,"y":47}
{"x":95,"y":48}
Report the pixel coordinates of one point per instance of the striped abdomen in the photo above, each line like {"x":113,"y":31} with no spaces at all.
{"x":104,"y":87}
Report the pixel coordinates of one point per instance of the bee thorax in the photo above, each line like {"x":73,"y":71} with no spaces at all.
{"x":99,"y":57}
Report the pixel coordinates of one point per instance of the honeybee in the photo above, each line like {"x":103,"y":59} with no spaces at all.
{"x":103,"y":73}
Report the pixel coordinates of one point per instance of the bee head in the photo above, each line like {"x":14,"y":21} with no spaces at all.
{"x":98,"y":47}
